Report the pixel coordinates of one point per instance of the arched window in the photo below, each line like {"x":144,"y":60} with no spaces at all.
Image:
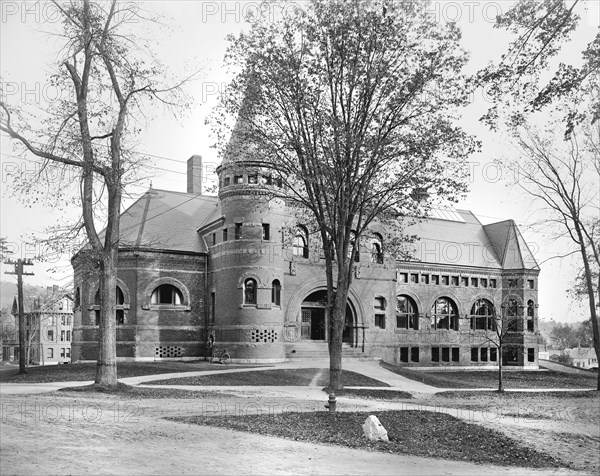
{"x":376,"y":249}
{"x":483,"y":315}
{"x":512,"y":314}
{"x":167,"y":294}
{"x":120,"y":297}
{"x":444,"y":314}
{"x":250,"y":291}
{"x":300,"y":244}
{"x":276,"y":293}
{"x":407,"y":315}
{"x":530,"y":314}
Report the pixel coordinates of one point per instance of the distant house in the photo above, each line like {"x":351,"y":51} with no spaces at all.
{"x":49,"y":328}
{"x":583,"y":357}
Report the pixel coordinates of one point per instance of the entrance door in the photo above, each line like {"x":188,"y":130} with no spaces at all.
{"x":317,"y":324}
{"x":306,"y":321}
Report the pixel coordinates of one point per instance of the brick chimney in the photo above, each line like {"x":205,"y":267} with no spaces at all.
{"x":194,"y":175}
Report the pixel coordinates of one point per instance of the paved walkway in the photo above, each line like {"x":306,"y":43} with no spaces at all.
{"x":370,"y":368}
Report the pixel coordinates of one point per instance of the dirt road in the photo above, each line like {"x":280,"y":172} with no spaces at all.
{"x":67,"y":433}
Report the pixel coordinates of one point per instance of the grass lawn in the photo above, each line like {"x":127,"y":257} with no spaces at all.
{"x":278,"y":377}
{"x":372,"y":394}
{"x":79,"y":372}
{"x":128,"y":391}
{"x":489,"y":378}
{"x":418,"y":433}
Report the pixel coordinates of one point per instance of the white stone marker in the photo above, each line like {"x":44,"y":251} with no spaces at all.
{"x":374,"y":430}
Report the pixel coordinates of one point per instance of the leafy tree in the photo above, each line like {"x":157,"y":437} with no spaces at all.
{"x":563,"y":336}
{"x":4,"y":251}
{"x":111,"y":79}
{"x":519,"y":79}
{"x":562,"y":358}
{"x":352,"y":103}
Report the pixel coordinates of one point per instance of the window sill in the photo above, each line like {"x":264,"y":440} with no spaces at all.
{"x":166,"y":307}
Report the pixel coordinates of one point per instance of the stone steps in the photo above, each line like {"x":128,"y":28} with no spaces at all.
{"x":320,"y":350}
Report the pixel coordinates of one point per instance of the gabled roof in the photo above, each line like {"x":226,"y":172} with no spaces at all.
{"x":510,"y":246}
{"x":165,"y":220}
{"x":38,"y":303}
{"x":457,"y":237}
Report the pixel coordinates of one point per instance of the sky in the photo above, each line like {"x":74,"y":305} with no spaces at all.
{"x":195,"y":37}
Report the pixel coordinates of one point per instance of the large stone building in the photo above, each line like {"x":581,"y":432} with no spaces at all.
{"x":48,"y":329}
{"x":193,"y":266}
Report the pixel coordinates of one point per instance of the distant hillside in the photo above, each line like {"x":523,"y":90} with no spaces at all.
{"x":8,"y":291}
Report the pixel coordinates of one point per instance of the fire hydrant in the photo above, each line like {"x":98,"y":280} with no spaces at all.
{"x":331,"y":402}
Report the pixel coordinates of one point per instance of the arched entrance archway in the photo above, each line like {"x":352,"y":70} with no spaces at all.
{"x":315,"y":317}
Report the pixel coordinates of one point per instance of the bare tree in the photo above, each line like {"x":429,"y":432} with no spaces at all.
{"x":352,"y":103}
{"x":564,"y":177}
{"x":109,"y":76}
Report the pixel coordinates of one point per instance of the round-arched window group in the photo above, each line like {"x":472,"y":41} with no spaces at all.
{"x":250,"y":292}
{"x":444,"y":314}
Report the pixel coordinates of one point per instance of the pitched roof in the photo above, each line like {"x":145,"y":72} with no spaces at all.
{"x":166,"y":220}
{"x":38,"y":303}
{"x":510,"y":246}
{"x":457,"y":237}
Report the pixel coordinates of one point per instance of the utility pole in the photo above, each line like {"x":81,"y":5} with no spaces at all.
{"x":20,"y":273}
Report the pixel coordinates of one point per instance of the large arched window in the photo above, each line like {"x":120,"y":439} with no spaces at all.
{"x":511,"y":315}
{"x":120,"y":306}
{"x":276,"y":293}
{"x":166,"y":295}
{"x":407,"y":315}
{"x":250,"y":291}
{"x":444,"y":314}
{"x":119,"y":296}
{"x":376,"y":249}
{"x":300,"y":244}
{"x":483,"y":315}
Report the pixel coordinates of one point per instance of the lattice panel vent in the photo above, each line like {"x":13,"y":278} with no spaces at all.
{"x":265,"y":335}
{"x":168,"y":351}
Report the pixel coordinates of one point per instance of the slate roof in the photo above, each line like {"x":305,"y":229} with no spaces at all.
{"x":166,"y":220}
{"x":458,"y":238}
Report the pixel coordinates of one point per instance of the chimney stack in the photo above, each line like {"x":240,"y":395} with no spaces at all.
{"x":194,"y":175}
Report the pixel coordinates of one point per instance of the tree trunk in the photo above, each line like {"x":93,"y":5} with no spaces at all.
{"x":337,"y":327}
{"x":591,"y":297}
{"x":106,"y":370}
{"x":500,"y":382}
